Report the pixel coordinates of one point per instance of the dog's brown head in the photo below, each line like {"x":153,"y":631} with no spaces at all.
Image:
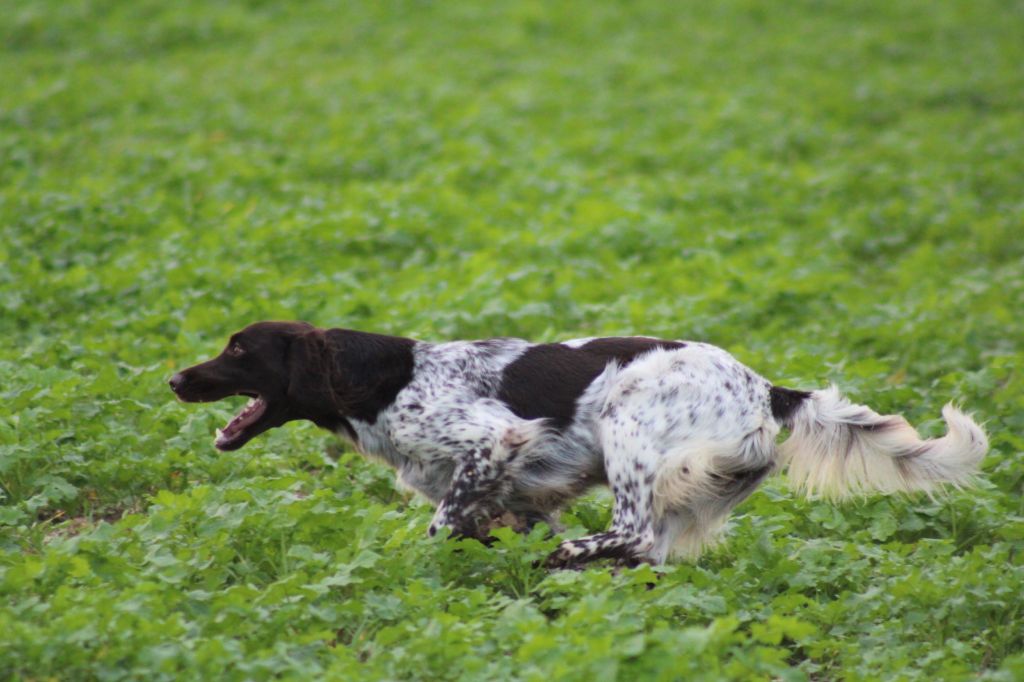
{"x":293,"y":370}
{"x":267,"y":362}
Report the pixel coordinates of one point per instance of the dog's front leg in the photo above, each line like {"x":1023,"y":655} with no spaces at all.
{"x":485,"y":445}
{"x":475,"y":495}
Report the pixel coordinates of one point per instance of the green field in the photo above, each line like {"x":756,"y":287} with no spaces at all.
{"x":832,"y":191}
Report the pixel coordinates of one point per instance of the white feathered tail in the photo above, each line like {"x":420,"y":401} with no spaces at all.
{"x":837,"y":449}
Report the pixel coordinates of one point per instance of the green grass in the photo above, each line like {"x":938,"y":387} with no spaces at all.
{"x":829,"y":190}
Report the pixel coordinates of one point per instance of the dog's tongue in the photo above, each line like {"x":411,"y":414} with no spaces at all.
{"x":249,"y":414}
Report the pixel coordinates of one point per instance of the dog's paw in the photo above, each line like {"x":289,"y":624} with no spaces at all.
{"x":460,"y":531}
{"x":506,"y":520}
{"x":563,"y":558}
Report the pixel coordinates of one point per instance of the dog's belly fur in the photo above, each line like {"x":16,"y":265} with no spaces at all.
{"x":554,"y":469}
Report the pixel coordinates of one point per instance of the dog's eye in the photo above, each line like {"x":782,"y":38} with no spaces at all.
{"x":235,"y":350}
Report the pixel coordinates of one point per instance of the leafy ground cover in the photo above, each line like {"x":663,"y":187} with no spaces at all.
{"x":831,"y":191}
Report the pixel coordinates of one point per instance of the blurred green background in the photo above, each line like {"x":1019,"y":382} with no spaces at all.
{"x":829,"y":190}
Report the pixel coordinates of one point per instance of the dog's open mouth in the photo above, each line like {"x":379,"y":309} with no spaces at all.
{"x":234,"y":430}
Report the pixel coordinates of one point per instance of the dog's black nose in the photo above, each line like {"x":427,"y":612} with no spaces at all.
{"x":176,"y":381}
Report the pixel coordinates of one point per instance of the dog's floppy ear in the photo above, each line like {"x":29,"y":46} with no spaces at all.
{"x":309,"y":367}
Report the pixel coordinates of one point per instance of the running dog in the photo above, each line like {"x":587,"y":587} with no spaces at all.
{"x":681,"y":431}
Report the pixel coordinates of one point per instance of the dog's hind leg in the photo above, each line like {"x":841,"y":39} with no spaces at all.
{"x":629,"y":465}
{"x":629,"y":540}
{"x":685,"y":439}
{"x":688,"y":524}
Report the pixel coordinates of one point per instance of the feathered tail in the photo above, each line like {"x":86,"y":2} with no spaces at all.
{"x":837,"y":449}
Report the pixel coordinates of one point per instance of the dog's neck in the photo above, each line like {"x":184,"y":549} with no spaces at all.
{"x":361,"y":372}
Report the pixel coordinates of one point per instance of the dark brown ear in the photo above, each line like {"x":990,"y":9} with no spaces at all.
{"x":308,"y":369}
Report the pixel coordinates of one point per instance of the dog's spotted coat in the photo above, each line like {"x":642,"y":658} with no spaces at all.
{"x":637,"y":403}
{"x":680,"y":431}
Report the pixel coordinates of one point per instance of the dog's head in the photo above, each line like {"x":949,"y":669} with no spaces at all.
{"x":266,"y":361}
